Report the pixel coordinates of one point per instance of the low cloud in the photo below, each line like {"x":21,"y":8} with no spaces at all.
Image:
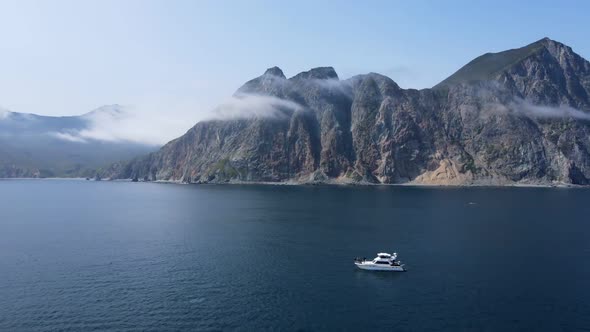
{"x":245,"y":106}
{"x":342,"y":87}
{"x":68,"y":137}
{"x":522,"y":106}
{"x":4,"y":114}
{"x":131,"y":125}
{"x":117,"y":123}
{"x":499,"y":100}
{"x":155,"y":126}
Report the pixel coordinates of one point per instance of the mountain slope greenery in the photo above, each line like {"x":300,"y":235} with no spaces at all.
{"x":485,"y":67}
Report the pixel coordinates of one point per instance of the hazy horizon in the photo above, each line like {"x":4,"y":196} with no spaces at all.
{"x":173,"y":63}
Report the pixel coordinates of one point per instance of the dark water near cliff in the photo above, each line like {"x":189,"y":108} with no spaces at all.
{"x":78,"y":255}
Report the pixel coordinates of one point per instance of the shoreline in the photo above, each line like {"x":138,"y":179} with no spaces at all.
{"x":328,"y":183}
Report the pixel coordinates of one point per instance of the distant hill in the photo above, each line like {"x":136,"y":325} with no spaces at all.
{"x":45,"y":146}
{"x":516,"y":117}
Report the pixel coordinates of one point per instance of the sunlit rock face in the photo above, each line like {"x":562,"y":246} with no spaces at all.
{"x":517,"y":117}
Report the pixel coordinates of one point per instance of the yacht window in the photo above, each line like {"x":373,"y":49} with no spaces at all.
{"x":380,"y":262}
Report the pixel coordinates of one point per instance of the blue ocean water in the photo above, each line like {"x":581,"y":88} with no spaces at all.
{"x":84,"y":256}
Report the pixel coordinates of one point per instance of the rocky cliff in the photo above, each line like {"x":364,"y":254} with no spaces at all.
{"x":519,"y":116}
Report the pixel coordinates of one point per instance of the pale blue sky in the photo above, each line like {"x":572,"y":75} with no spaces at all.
{"x":181,"y":58}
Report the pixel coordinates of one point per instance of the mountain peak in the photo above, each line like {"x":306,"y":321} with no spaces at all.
{"x":548,"y":41}
{"x":487,"y":66}
{"x":554,"y":47}
{"x":319,"y":73}
{"x":275,"y":71}
{"x":545,"y":40}
{"x":113,"y":110}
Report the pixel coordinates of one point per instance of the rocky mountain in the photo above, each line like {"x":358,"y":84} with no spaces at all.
{"x":517,"y":117}
{"x":45,"y":146}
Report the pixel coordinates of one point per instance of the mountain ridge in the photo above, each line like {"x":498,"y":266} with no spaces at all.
{"x":497,"y":61}
{"x":522,"y":120}
{"x":36,"y":146}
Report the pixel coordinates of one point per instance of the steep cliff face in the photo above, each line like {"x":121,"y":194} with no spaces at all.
{"x":520,"y":116}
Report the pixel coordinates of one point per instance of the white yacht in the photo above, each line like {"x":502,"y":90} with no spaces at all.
{"x":383,"y":262}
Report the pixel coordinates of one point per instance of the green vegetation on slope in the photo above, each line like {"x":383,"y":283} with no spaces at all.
{"x":488,"y":65}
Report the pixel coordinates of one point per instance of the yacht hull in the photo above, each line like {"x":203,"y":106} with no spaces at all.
{"x":379,"y":267}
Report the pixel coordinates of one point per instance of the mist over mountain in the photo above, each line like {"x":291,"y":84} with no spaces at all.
{"x":45,"y":146}
{"x":514,"y":117}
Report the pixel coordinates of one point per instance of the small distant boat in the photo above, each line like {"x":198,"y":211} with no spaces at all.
{"x":383,"y":262}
